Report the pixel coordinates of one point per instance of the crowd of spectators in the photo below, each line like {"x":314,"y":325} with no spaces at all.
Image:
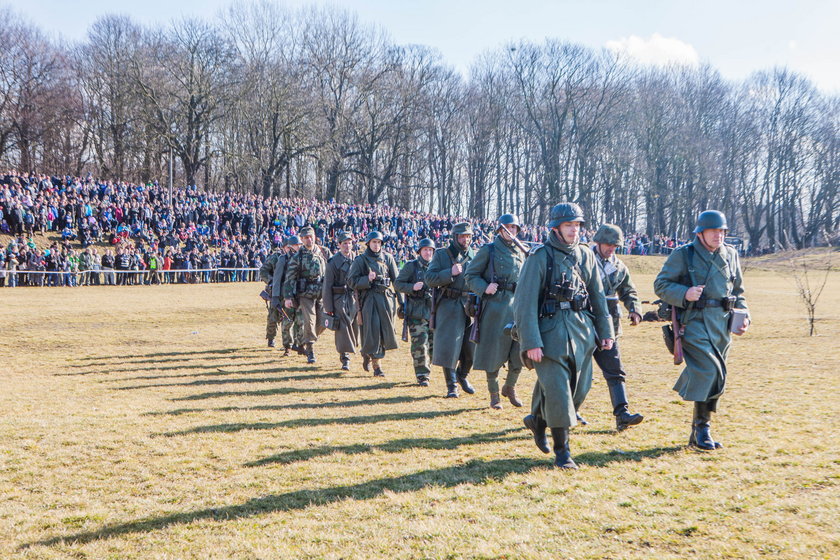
{"x":123,"y":233}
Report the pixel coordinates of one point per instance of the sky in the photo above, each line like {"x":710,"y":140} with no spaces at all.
{"x":738,"y":37}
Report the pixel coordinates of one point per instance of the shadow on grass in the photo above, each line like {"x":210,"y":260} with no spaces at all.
{"x":220,"y":371}
{"x":299,"y":422}
{"x":473,"y":472}
{"x":603,"y":459}
{"x":300,"y":455}
{"x":294,"y":406}
{"x":283,"y":391}
{"x":334,"y":375}
{"x":220,"y":367}
{"x":160,"y":354}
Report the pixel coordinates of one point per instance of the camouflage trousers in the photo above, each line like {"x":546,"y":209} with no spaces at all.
{"x":422,"y":341}
{"x":291,"y":328}
{"x":271,"y":323}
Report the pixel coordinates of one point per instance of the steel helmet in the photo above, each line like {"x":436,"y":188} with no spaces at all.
{"x":609,"y":234}
{"x":710,"y":219}
{"x":565,"y":212}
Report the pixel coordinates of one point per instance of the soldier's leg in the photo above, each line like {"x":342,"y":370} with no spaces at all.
{"x":419,"y":342}
{"x":465,"y":361}
{"x":271,"y":325}
{"x":319,"y":318}
{"x":509,"y":388}
{"x":536,"y":420}
{"x":493,"y":389}
{"x":610,"y":363}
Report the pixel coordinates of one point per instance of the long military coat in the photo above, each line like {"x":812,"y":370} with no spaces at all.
{"x":618,"y":286}
{"x":267,"y":268}
{"x":494,"y":347}
{"x":451,"y":320}
{"x":419,"y":303}
{"x":341,"y":305}
{"x":567,"y":338}
{"x":707,"y":338}
{"x":378,"y":307}
{"x":279,"y":263}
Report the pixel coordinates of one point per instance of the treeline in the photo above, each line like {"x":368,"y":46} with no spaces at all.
{"x":312,"y":103}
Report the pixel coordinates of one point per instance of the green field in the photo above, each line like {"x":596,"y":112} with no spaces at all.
{"x":151,"y":422}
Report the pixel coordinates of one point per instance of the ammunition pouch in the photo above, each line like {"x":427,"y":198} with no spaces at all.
{"x":578,"y":302}
{"x":725,"y":303}
{"x":340,"y":290}
{"x":507,"y":286}
{"x":452,"y":293}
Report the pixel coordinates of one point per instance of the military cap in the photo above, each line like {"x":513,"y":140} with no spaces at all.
{"x":710,"y":219}
{"x":509,"y":220}
{"x":293,"y":240}
{"x":306,"y":230}
{"x":565,"y":212}
{"x":462,"y":228}
{"x":609,"y":234}
{"x":374,"y":235}
{"x":425,"y":242}
{"x":343,"y":236}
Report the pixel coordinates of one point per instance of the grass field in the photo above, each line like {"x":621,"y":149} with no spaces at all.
{"x":151,"y":422}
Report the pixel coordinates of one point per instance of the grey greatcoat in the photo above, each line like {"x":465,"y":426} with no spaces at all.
{"x":707,"y":338}
{"x":339,"y":300}
{"x":495,"y":348}
{"x":378,"y":301}
{"x":451,"y":321}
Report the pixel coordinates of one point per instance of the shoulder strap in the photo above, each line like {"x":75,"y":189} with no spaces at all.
{"x":492,"y":250}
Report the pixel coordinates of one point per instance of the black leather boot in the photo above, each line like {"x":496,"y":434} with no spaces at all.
{"x":271,"y":343}
{"x":701,"y":433}
{"x":451,"y":388}
{"x":537,"y":426}
{"x":345,"y":361}
{"x":581,"y":420}
{"x":366,"y":362}
{"x":310,"y":353}
{"x":465,"y":384}
{"x":562,"y":455}
{"x":623,"y":418}
{"x":286,"y":351}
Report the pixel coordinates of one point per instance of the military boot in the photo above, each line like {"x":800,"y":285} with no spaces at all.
{"x":537,"y":426}
{"x":366,"y":362}
{"x":310,"y":353}
{"x":377,"y":370}
{"x":451,"y":387}
{"x":562,"y":455}
{"x":286,"y":352}
{"x":495,"y":401}
{"x":345,"y":361}
{"x":465,"y":383}
{"x":581,"y":420}
{"x":423,"y":381}
{"x":271,"y":343}
{"x":701,"y":433}
{"x":623,"y":418}
{"x":509,"y":391}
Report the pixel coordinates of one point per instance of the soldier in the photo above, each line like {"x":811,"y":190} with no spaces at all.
{"x":418,"y":307}
{"x":290,"y":321}
{"x":267,"y":276}
{"x":453,"y":350}
{"x":492,"y":275}
{"x":558,"y":308}
{"x":617,"y":286}
{"x":339,"y":301}
{"x":703,"y":279}
{"x":372,"y":275}
{"x":303,"y":287}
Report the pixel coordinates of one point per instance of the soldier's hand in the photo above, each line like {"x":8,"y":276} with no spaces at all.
{"x":491,"y":288}
{"x":289,"y":303}
{"x":694,"y":293}
{"x":372,"y":275}
{"x":635,"y":319}
{"x":535,"y":355}
{"x":744,"y":328}
{"x":418,"y":286}
{"x":607,"y":344}
{"x":457,"y":269}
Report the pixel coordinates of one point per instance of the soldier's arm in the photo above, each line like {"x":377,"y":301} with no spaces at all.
{"x":403,"y":283}
{"x":439,"y":272}
{"x":603,"y":320}
{"x":276,"y":283}
{"x":474,"y":274}
{"x":290,"y":286}
{"x":326,"y":289}
{"x":267,"y":269}
{"x":628,"y":295}
{"x":667,"y":284}
{"x":529,"y":288}
{"x":358,"y":276}
{"x":738,"y":284}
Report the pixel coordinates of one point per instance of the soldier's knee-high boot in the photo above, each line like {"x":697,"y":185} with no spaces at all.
{"x":345,"y":361}
{"x":451,"y":388}
{"x":537,"y":426}
{"x":701,"y":433}
{"x":623,"y":418}
{"x":461,"y":375}
{"x":562,"y":454}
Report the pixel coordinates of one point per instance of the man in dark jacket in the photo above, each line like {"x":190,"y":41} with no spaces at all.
{"x":339,"y":301}
{"x":417,"y":308}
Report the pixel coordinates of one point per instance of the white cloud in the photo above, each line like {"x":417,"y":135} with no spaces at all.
{"x":656,"y":50}
{"x":792,"y":45}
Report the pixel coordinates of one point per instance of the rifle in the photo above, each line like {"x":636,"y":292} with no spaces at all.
{"x":405,"y":319}
{"x":516,"y":240}
{"x":679,"y":331}
{"x":475,"y":330}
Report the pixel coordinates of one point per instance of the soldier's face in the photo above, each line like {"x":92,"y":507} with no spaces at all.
{"x":514,"y":230}
{"x":293,"y":248}
{"x":346,"y":246}
{"x":375,"y":245}
{"x":426,"y":253}
{"x":569,"y":231}
{"x":712,"y":238}
{"x":607,"y":251}
{"x":308,"y":241}
{"x":464,"y":239}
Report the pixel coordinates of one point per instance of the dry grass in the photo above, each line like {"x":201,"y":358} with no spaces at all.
{"x":150,"y":422}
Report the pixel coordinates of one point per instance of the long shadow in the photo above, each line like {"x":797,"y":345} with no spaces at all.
{"x":300,"y":422}
{"x":333,"y":375}
{"x":222,"y":371}
{"x":395,"y":446}
{"x":179,"y":367}
{"x":158,"y":354}
{"x":294,"y":406}
{"x":473,"y":472}
{"x":602,"y":459}
{"x":162,"y":360}
{"x":282,"y":391}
